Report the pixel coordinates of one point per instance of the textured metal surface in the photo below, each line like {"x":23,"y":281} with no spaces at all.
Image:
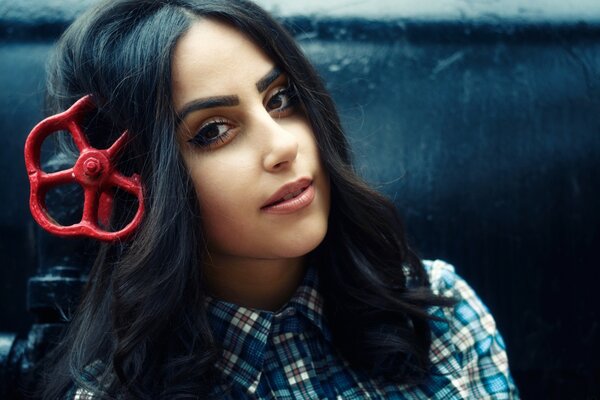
{"x":17,"y":373}
{"x":7,"y":370}
{"x":37,"y":19}
{"x":6,"y":344}
{"x":94,"y":171}
{"x":36,"y":12}
{"x":493,"y":10}
{"x":54,"y":295}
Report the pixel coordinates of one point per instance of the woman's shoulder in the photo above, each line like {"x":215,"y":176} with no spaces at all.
{"x":469,"y":315}
{"x":443,"y":278}
{"x":466,"y":342}
{"x":446,"y":282}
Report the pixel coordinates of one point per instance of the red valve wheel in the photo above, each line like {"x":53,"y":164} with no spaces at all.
{"x":94,"y":170}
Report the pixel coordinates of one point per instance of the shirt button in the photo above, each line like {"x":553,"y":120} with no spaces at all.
{"x":285,"y":313}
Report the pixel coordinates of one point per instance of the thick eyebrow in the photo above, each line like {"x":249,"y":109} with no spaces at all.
{"x":208,"y":102}
{"x":266,"y":80}
{"x":227,"y":101}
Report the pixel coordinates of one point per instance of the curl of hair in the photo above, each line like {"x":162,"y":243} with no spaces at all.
{"x":143,"y":311}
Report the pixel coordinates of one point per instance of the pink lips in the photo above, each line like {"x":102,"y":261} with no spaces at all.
{"x":291,"y":197}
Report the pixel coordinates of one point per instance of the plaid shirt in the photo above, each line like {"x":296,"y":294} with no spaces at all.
{"x":290,"y":355}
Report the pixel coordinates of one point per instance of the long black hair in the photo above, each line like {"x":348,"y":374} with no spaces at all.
{"x":143,"y":312}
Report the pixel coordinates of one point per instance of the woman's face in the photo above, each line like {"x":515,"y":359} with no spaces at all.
{"x":247,"y":146}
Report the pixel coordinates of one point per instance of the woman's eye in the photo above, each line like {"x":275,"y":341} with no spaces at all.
{"x":212,"y":133}
{"x":283,"y":99}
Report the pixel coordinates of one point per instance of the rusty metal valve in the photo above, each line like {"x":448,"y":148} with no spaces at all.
{"x":94,"y":170}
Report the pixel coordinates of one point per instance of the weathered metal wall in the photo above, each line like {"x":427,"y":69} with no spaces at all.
{"x":484,"y":129}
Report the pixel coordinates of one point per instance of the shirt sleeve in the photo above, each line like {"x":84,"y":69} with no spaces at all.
{"x":481,"y":352}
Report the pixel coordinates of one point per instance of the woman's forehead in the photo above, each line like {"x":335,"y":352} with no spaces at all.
{"x":213,"y":58}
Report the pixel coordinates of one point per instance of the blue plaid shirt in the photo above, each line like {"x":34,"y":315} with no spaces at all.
{"x":289,"y":354}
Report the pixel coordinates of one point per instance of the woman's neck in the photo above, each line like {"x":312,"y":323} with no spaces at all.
{"x":254,"y":283}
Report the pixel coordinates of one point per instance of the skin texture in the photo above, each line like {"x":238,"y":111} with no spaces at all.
{"x":254,"y":258}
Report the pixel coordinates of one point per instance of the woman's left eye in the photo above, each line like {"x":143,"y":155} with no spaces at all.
{"x":213,"y":133}
{"x":283,"y":100}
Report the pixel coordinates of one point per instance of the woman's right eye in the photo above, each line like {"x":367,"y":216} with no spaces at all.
{"x":212,"y":133}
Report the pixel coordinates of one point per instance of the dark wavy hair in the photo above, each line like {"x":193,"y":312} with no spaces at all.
{"x":143,"y":311}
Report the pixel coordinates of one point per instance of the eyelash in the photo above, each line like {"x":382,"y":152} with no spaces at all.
{"x":201,"y":140}
{"x":291,"y":94}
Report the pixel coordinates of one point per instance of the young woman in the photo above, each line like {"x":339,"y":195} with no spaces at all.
{"x":264,"y":267}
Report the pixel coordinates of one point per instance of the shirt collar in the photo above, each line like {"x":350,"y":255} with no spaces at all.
{"x":244,"y":332}
{"x":308,"y":302}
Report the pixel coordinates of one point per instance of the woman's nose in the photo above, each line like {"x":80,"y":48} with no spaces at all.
{"x":280,"y":144}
